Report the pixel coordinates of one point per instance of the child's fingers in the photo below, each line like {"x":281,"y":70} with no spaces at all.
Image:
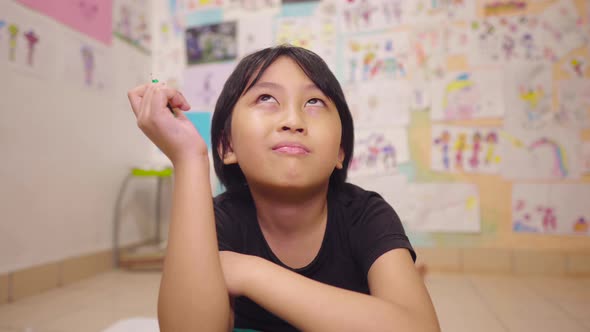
{"x":175,"y":98}
{"x":135,"y":95}
{"x":146,"y":105}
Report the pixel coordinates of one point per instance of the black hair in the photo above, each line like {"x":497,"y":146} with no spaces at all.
{"x":314,"y":67}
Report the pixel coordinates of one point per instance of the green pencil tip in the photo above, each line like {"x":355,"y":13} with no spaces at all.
{"x":155,"y":81}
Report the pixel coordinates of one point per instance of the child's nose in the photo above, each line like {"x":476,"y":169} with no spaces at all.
{"x":293,"y":121}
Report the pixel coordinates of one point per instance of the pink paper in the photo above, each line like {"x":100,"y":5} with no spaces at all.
{"x":91,"y":17}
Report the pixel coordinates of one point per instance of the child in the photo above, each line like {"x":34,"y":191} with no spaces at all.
{"x":294,"y":246}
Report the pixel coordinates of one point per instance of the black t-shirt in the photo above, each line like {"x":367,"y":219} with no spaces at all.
{"x":361,"y":226}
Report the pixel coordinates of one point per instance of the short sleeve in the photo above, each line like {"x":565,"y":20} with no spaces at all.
{"x":377,"y":230}
{"x":228,"y":237}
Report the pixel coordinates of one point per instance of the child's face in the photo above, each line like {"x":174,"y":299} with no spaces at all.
{"x":285,"y":132}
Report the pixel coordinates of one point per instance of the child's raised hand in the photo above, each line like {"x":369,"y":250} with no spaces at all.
{"x":174,"y":134}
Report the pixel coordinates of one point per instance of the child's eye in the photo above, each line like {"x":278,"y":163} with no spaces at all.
{"x":266,"y":99}
{"x":316,"y":102}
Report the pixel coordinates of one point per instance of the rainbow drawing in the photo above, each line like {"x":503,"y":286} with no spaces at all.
{"x":560,"y":167}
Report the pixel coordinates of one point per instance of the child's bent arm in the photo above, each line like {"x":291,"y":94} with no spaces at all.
{"x":193,"y":295}
{"x":313,"y":306}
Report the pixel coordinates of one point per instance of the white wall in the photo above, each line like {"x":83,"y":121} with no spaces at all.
{"x":64,"y":151}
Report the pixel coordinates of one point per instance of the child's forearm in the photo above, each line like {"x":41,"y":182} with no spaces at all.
{"x":193,"y":295}
{"x":312,"y":306}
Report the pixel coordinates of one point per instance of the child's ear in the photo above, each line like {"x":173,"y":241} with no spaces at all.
{"x":340,"y":160}
{"x":229,"y":157}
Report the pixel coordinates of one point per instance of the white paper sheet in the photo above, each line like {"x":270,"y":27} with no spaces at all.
{"x":465,"y":149}
{"x":379,"y":103}
{"x":203,"y":84}
{"x":551,"y":208}
{"x":468,"y":95}
{"x":377,"y":56}
{"x":89,"y":63}
{"x":254,"y":33}
{"x":379,"y":151}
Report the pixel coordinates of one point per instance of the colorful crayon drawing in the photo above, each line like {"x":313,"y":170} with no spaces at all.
{"x":379,"y":152}
{"x":551,"y":208}
{"x":457,"y":150}
{"x":507,"y":39}
{"x":561,"y":32}
{"x":32,"y":39}
{"x":429,"y":51}
{"x":381,"y":56}
{"x":192,"y":5}
{"x":365,"y":15}
{"x":528,"y":90}
{"x":551,"y":155}
{"x":465,"y":96}
{"x":560,"y":168}
{"x":316,"y":33}
{"x":88,"y":62}
{"x":132,"y":24}
{"x":13,"y":30}
{"x":444,"y":141}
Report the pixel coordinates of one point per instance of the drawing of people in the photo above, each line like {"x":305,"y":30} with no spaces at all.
{"x":124,"y":24}
{"x":549,"y":219}
{"x":88,"y":62}
{"x":460,"y":98}
{"x":508,"y":47}
{"x":476,"y":148}
{"x":536,"y":108}
{"x":491,"y":140}
{"x":32,"y":39}
{"x":368,"y":60}
{"x":460,"y":147}
{"x":528,"y":42}
{"x":443,"y":141}
{"x":577,"y":67}
{"x":389,"y":156}
{"x":13,"y":32}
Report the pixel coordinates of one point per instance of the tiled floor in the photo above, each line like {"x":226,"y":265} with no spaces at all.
{"x":463,"y":302}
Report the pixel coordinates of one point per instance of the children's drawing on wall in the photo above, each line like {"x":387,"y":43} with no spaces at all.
{"x":576,"y":66}
{"x":465,"y":149}
{"x":90,"y":17}
{"x":132,"y":23}
{"x":420,"y":95}
{"x":541,"y":155}
{"x":507,"y":39}
{"x":233,"y":9}
{"x":193,"y":5}
{"x":453,"y":9}
{"x":561,"y":33}
{"x":254,"y":34}
{"x":27,"y":44}
{"x":203,"y":84}
{"x":316,"y":33}
{"x":378,"y":151}
{"x":452,"y":207}
{"x":506,"y":7}
{"x":89,"y":66}
{"x":574,"y":104}
{"x":551,"y":209}
{"x":528,"y":90}
{"x":379,"y":103}
{"x":468,"y":95}
{"x":429,"y":57}
{"x":364,"y":15}
{"x":211,"y":43}
{"x":380,"y":56}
